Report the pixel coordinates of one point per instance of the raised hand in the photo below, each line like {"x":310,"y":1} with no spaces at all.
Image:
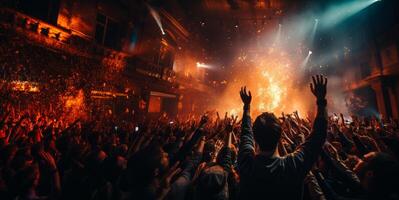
{"x":204,"y":119}
{"x":319,"y":86}
{"x":229,"y":126}
{"x":245,"y":97}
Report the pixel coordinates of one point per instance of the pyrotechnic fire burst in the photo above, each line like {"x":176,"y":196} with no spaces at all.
{"x":273,"y":81}
{"x":271,"y":95}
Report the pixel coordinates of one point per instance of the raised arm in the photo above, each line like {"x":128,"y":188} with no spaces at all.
{"x":307,"y":153}
{"x":246,"y":151}
{"x":186,"y":148}
{"x":225,"y":154}
{"x":182,"y":183}
{"x":319,"y":90}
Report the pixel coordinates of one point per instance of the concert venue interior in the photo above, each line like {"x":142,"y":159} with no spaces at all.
{"x":145,"y":99}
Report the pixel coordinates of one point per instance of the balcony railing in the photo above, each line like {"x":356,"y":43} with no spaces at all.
{"x":60,"y":38}
{"x":137,"y":65}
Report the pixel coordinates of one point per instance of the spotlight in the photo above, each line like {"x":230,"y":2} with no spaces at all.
{"x":203,"y":65}
{"x":157,"y":18}
{"x":306,"y":60}
{"x":344,"y":10}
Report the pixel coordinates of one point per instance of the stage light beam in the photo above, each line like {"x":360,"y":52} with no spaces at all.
{"x":156,"y":17}
{"x":339,"y":12}
{"x":278,"y":36}
{"x":313,"y":33}
{"x":203,"y":65}
{"x":306,"y":60}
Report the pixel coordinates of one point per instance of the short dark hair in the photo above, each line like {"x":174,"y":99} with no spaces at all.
{"x":267,"y":131}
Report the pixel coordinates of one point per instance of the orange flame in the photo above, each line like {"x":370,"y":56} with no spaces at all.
{"x":273,"y":81}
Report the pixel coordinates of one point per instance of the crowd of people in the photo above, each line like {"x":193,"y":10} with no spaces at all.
{"x":213,"y":157}
{"x":58,"y":77}
{"x":56,"y":72}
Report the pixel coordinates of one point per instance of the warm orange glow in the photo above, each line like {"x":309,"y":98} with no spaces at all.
{"x":74,"y":105}
{"x":155,"y":104}
{"x":113,"y":62}
{"x":75,"y":101}
{"x":44,"y":32}
{"x":25,"y":86}
{"x":96,"y":93}
{"x":186,"y":65}
{"x":273,"y":84}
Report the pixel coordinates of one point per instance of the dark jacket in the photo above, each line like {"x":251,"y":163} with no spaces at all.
{"x":270,"y":177}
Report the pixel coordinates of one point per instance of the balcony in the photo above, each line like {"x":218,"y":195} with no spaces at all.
{"x":57,"y":37}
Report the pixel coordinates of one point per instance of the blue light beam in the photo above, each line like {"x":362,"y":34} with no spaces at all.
{"x":338,"y":13}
